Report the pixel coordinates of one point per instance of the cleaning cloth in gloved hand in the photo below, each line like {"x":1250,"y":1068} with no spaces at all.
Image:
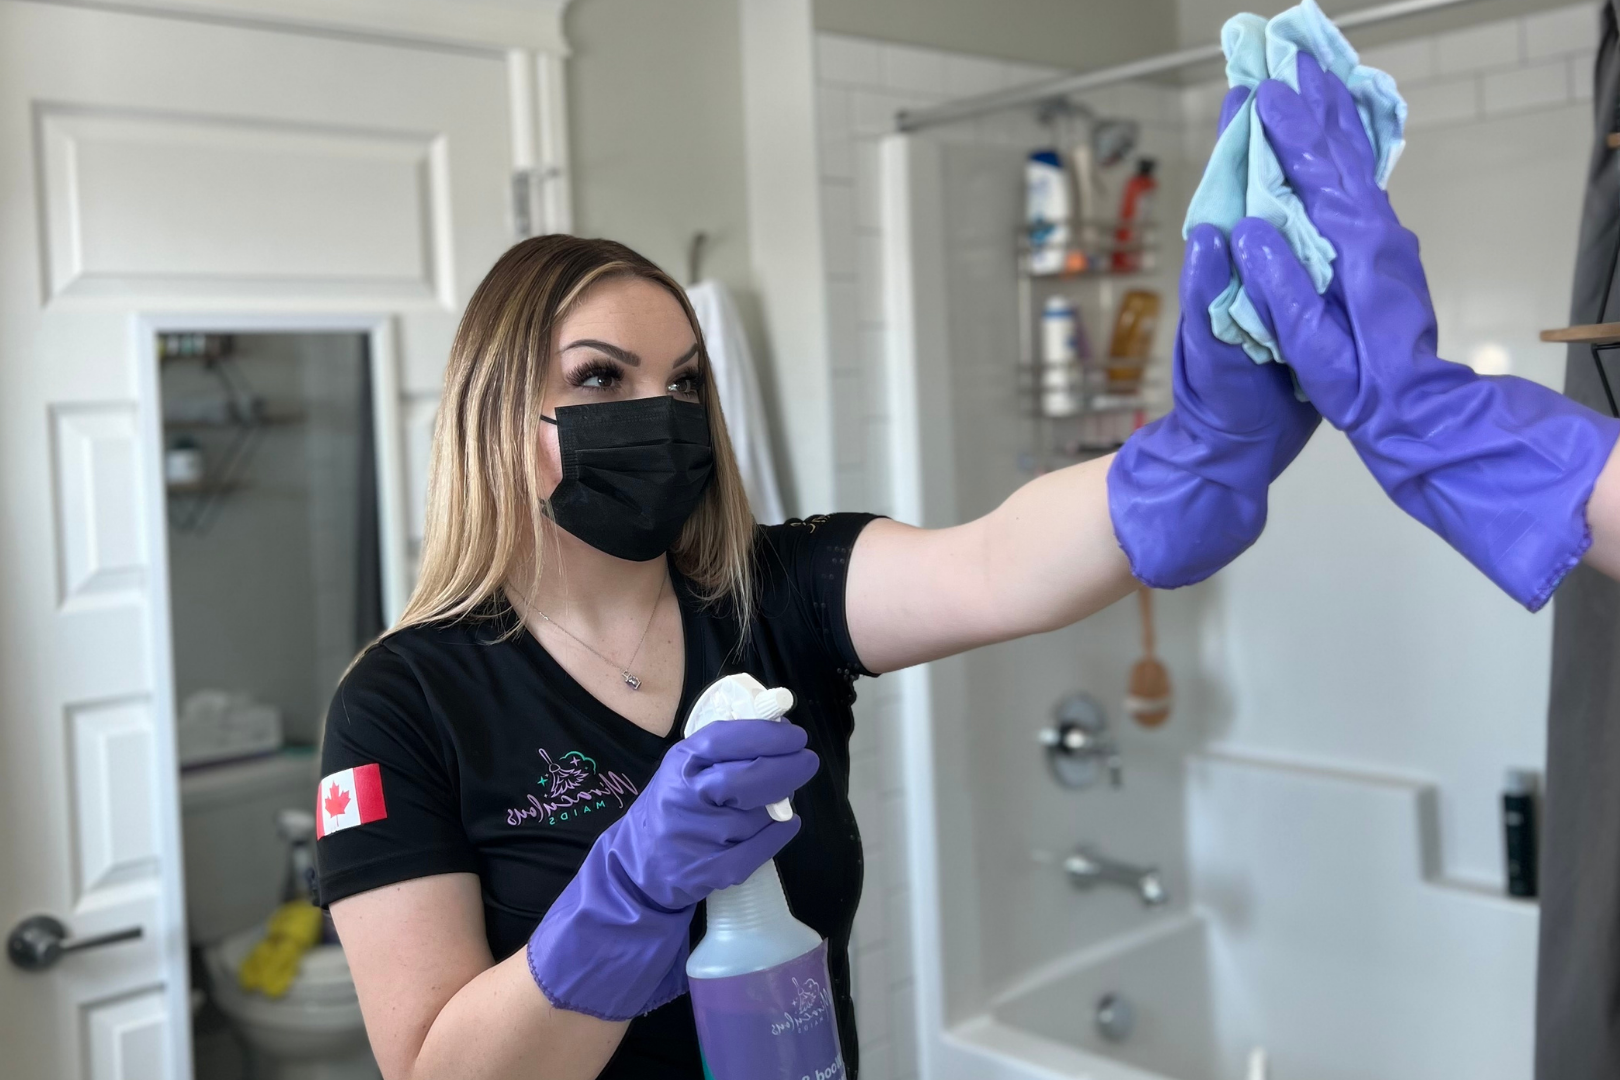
{"x":1243,"y":177}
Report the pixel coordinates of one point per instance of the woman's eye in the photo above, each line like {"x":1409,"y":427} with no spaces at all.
{"x":595,"y":377}
{"x":686,"y":385}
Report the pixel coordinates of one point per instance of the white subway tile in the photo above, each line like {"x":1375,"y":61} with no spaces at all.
{"x":894,"y":841}
{"x":843,"y":325}
{"x":864,"y":742}
{"x":874,"y":111}
{"x":832,"y":113}
{"x":877,"y":1060}
{"x":1582,"y":73}
{"x":877,"y":405}
{"x":838,"y":227}
{"x":969,"y":75}
{"x":872,"y":1006}
{"x":1144,"y":102}
{"x":903,"y":1045}
{"x":872,"y":917}
{"x":912,"y":70}
{"x":899,"y":942}
{"x":1407,"y":61}
{"x":849,"y":488}
{"x":869,"y":275}
{"x":849,"y":419}
{"x":1564,"y":30}
{"x":868,"y":185}
{"x":1526,"y":88}
{"x":847,"y":60}
{"x":874,"y":361}
{"x":1492,"y":45}
{"x":1201,"y":102}
{"x":879,"y":479}
{"x":1442,"y":103}
{"x":835,"y":159}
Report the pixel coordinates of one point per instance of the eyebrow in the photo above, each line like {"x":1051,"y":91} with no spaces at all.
{"x":625,"y":356}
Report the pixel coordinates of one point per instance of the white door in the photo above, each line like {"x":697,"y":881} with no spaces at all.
{"x":152,"y":166}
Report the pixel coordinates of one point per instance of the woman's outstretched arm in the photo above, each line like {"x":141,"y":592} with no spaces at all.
{"x":1041,"y":560}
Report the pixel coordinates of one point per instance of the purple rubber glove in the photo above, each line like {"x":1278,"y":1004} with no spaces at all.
{"x":1187,"y":493}
{"x":1501,"y":468}
{"x":614,"y":945}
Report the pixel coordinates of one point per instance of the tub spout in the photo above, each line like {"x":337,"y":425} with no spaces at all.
{"x":1087,"y":868}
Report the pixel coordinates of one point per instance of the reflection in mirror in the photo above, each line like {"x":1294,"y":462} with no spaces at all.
{"x":270,"y":471}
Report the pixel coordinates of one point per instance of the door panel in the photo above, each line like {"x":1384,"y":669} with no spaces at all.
{"x":151,"y":166}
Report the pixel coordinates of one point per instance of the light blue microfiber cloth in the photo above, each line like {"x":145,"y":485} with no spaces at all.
{"x":1243,"y":177}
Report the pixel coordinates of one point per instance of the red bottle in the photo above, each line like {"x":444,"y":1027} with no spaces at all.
{"x":1134,"y":208}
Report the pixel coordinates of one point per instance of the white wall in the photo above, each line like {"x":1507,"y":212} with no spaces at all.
{"x":1080,"y":36}
{"x":1351,"y":676}
{"x":1350,"y":632}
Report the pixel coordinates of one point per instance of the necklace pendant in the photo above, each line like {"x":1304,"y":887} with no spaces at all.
{"x":631,"y":681}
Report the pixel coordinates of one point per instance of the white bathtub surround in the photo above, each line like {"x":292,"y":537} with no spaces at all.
{"x":1325,"y":803}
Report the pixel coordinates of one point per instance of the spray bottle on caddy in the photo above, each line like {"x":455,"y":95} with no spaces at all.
{"x":761,"y":990}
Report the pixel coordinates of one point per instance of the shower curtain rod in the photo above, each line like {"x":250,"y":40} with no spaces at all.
{"x":1047,"y":89}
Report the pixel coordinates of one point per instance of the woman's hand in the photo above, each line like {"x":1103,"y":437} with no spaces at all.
{"x":1501,"y":468}
{"x":614,"y":944}
{"x":1187,"y":493}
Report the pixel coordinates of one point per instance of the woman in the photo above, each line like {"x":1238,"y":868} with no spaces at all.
{"x":514,"y":837}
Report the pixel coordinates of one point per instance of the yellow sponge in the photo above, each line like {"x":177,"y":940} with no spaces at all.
{"x":293,"y":930}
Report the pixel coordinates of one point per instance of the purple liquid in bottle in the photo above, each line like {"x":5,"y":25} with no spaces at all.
{"x":776,"y":1024}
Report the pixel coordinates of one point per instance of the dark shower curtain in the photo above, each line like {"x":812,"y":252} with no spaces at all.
{"x":1578,"y":986}
{"x":368,"y":607}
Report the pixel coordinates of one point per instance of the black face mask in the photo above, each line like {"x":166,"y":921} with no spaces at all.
{"x":632,"y":472}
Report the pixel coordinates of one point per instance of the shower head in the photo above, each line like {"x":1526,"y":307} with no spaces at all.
{"x":1113,"y":140}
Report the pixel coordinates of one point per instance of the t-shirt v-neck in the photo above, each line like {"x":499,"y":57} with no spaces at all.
{"x":692,"y":668}
{"x":490,"y":759}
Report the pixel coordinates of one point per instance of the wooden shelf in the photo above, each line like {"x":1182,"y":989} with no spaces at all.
{"x":1592,"y":334}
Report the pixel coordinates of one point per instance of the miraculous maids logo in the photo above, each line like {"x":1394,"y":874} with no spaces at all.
{"x":572,"y":787}
{"x":812,"y":1005}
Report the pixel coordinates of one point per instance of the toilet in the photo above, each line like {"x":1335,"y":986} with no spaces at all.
{"x":236,"y":868}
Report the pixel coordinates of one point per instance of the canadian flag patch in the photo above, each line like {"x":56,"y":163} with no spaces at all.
{"x":349,"y":798}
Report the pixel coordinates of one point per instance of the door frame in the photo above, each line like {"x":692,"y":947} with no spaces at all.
{"x":387,"y":427}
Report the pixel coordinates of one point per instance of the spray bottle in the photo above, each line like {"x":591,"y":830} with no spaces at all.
{"x":761,"y":990}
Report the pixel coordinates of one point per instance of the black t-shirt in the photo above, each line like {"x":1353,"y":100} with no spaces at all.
{"x":467,"y":731}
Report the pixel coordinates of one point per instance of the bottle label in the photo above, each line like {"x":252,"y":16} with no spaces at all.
{"x":776,"y":1024}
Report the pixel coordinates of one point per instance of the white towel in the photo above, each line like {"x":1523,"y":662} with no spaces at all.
{"x":740,"y":401}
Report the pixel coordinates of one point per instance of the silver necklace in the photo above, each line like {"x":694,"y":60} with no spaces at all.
{"x":630,"y":680}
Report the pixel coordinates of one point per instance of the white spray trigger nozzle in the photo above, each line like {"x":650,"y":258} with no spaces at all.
{"x":773,"y":704}
{"x":743,"y":697}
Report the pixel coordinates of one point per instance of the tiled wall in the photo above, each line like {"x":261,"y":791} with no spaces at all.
{"x":1496,"y":69}
{"x":1487,"y":73}
{"x":860,"y":86}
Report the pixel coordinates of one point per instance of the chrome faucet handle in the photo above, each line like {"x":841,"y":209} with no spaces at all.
{"x":1079,"y":748}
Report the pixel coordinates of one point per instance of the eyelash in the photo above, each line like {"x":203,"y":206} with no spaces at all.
{"x":595,"y":369}
{"x":611,"y":376}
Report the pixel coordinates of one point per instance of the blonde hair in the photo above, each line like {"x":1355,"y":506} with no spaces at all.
{"x":485,"y":509}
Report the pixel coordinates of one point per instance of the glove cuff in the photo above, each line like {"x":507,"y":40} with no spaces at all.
{"x":1500,"y":468}
{"x":1183,"y":508}
{"x":603,"y":952}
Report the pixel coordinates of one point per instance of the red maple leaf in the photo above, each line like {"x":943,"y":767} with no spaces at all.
{"x":337,"y":801}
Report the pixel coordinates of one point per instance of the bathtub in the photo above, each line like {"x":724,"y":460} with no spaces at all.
{"x":1044,"y":1027}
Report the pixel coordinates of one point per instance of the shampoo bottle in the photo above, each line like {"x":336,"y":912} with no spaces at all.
{"x":761,"y":990}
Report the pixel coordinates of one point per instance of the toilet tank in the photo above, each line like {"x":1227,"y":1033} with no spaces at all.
{"x":236,"y":862}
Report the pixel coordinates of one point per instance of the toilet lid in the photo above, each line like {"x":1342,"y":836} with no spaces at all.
{"x":323,"y":973}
